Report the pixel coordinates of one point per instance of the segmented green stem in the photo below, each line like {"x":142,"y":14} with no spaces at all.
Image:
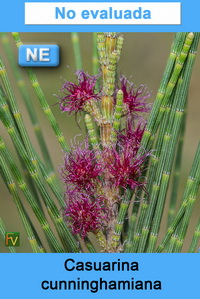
{"x":109,"y":85}
{"x":129,"y":241}
{"x":30,"y":198}
{"x":129,"y":245}
{"x":67,"y":239}
{"x":101,"y":239}
{"x":42,"y":99}
{"x":50,"y":179}
{"x":92,"y":133}
{"x":77,"y":51}
{"x":5,"y":107}
{"x":170,"y":141}
{"x":13,"y":191}
{"x":176,"y":174}
{"x":3,"y":232}
{"x":16,"y":115}
{"x":195,"y":238}
{"x":49,"y":176}
{"x":191,"y":198}
{"x":161,"y":152}
{"x":148,"y":135}
{"x":95,"y":61}
{"x":109,"y":47}
{"x":89,"y":245}
{"x":120,"y":41}
{"x":120,"y":218}
{"x":173,"y":240}
{"x":174,"y":78}
{"x":117,"y":116}
{"x":16,"y":112}
{"x":101,"y":47}
{"x":153,"y":117}
{"x":28,"y":102}
{"x":190,"y":187}
{"x":160,"y":184}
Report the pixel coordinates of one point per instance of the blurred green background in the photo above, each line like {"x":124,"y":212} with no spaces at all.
{"x":143,"y":60}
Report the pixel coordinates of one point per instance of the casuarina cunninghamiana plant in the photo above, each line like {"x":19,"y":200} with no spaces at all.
{"x":115,"y":180}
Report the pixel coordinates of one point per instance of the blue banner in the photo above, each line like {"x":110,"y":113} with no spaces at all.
{"x":96,"y":275}
{"x":124,"y":16}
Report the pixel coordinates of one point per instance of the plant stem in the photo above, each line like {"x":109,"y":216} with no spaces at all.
{"x":153,"y":121}
{"x":3,"y":232}
{"x":160,"y":152}
{"x":191,"y":187}
{"x":42,"y":99}
{"x":191,"y":198}
{"x":13,"y":191}
{"x":120,"y":218}
{"x":89,"y":245}
{"x":117,"y":116}
{"x":148,"y":136}
{"x":176,"y":175}
{"x":77,"y":51}
{"x":67,"y":239}
{"x":28,"y":102}
{"x":132,"y":223}
{"x":195,"y":238}
{"x":30,"y":198}
{"x":170,"y":141}
{"x":95,"y":61}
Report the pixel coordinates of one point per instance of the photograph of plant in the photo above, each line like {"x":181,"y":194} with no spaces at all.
{"x":119,"y":185}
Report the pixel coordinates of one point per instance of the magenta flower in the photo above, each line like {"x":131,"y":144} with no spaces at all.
{"x":85,"y":214}
{"x":124,"y":167}
{"x":76,"y":95}
{"x":81,"y":169}
{"x":132,"y":136}
{"x":135,"y":99}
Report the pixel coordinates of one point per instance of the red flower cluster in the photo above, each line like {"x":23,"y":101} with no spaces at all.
{"x":132,"y":137}
{"x":90,"y":181}
{"x":76,"y":95}
{"x":86,"y":211}
{"x":85,"y":214}
{"x":81,"y":169}
{"x":135,"y":99}
{"x":125,"y":167}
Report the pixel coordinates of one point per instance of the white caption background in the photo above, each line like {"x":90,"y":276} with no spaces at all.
{"x":43,"y":13}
